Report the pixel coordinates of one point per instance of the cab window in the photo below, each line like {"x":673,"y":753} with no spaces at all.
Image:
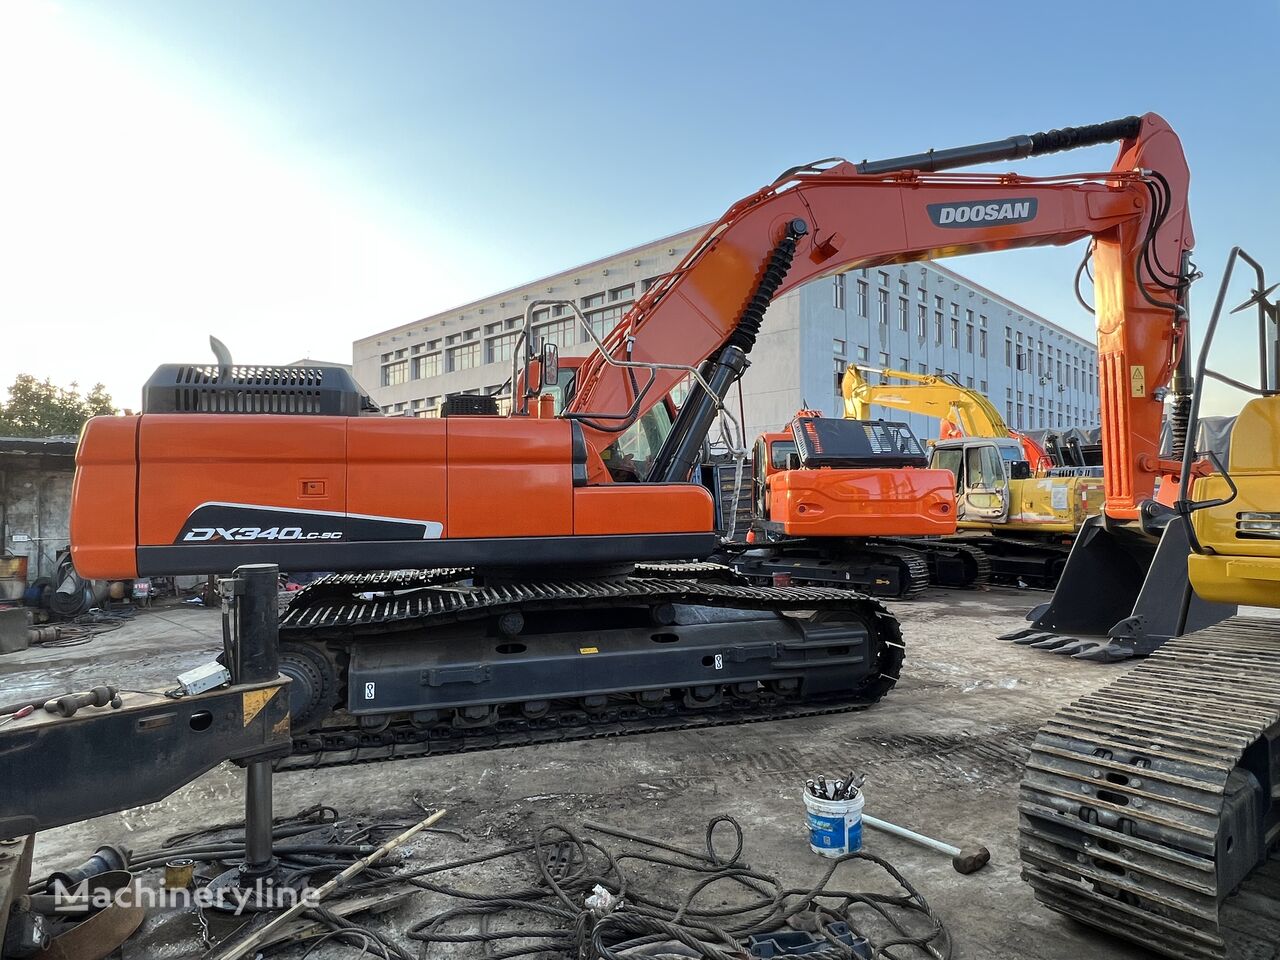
{"x":949,"y":458}
{"x":629,"y":457}
{"x":779,"y":451}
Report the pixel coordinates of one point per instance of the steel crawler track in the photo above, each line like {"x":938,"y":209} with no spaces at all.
{"x":891,"y":569}
{"x":1141,"y":811}
{"x":331,"y":613}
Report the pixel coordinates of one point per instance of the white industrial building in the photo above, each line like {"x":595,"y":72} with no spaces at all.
{"x":920,"y":317}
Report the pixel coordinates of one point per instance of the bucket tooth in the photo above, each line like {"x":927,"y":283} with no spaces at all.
{"x":1051,"y":641}
{"x":1109,"y":652}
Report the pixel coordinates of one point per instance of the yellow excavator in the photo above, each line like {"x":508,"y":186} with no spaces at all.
{"x":1023,"y":508}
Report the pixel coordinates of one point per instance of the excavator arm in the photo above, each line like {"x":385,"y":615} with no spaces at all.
{"x":962,"y":412}
{"x":817,"y":221}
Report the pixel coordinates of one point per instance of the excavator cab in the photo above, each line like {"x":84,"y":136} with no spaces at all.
{"x":982,"y":482}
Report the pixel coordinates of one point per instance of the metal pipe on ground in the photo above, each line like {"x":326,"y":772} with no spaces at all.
{"x":965,"y":860}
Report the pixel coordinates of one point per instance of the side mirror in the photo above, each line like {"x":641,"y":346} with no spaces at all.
{"x":1019,"y":470}
{"x":550,"y":364}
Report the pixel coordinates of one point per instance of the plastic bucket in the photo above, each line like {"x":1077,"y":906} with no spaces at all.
{"x":835,"y":826}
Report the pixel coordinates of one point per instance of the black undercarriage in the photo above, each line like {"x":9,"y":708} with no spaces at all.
{"x":418,"y":662}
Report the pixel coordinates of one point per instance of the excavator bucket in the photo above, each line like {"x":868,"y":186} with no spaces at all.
{"x":1122,"y":594}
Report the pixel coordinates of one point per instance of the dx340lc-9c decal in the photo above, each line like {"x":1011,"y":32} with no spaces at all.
{"x":253,"y":523}
{"x":205,"y":534}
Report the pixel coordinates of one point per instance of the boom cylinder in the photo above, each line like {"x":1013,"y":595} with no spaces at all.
{"x":1012,"y":148}
{"x":683,"y":446}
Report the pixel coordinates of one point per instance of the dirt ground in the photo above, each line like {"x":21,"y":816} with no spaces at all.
{"x":942,"y":754}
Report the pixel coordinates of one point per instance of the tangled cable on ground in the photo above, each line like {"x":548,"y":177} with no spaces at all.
{"x":594,"y":892}
{"x":649,"y":915}
{"x":83,"y":628}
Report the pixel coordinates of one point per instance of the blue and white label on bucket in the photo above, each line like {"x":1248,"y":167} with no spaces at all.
{"x":832,"y":833}
{"x":827,"y":832}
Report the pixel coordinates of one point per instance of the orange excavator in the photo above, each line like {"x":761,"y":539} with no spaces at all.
{"x":524,"y":530}
{"x":536,"y":597}
{"x":832,"y":501}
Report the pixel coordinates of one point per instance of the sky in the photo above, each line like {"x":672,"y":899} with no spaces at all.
{"x":290,"y":176}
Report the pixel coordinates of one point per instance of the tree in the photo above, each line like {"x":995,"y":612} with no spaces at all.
{"x":40,"y":409}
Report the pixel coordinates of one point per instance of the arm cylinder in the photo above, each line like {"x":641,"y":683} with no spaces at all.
{"x":1013,"y":148}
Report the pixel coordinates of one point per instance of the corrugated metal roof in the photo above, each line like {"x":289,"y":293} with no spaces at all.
{"x":42,"y":446}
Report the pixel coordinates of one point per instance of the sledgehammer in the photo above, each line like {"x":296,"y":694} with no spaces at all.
{"x":968,"y":860}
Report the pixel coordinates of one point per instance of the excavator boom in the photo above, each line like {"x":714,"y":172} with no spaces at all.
{"x":962,"y":411}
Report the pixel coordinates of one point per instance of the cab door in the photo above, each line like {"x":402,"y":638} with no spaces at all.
{"x":984,"y":486}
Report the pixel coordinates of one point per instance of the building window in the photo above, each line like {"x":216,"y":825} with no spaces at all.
{"x":904,"y":288}
{"x":862,"y":298}
{"x":904,"y":363}
{"x":903,"y":304}
{"x":937,"y":327}
{"x":923,"y":294}
{"x":968,"y":382}
{"x":884,"y":307}
{"x":838,"y":368}
{"x":921,"y":369}
{"x":1022,"y":358}
{"x":837,"y":291}
{"x":1008,"y":347}
{"x":884,"y":279}
{"x":622,"y":293}
{"x":464,"y":356}
{"x":602,"y":321}
{"x":397,"y":371}
{"x":922,"y":322}
{"x":982,"y":343}
{"x":1008,"y":411}
{"x":503,"y":348}
{"x":982,"y":385}
{"x":431,"y":365}
{"x":884,"y":361}
{"x":838,"y":347}
{"x":563,"y":333}
{"x":648,"y":282}
{"x":863,"y":356}
{"x":968,"y":337}
{"x":595,"y":300}
{"x":955,"y":332}
{"x":937,"y":303}
{"x":955,"y":309}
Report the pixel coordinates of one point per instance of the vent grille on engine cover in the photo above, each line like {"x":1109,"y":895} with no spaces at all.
{"x":469,"y":405}
{"x":304,"y":390}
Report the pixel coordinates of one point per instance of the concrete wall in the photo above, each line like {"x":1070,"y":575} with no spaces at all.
{"x":35,"y":502}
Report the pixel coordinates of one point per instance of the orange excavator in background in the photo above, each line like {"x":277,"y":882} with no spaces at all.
{"x":534,"y":609}
{"x":832,"y":502}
